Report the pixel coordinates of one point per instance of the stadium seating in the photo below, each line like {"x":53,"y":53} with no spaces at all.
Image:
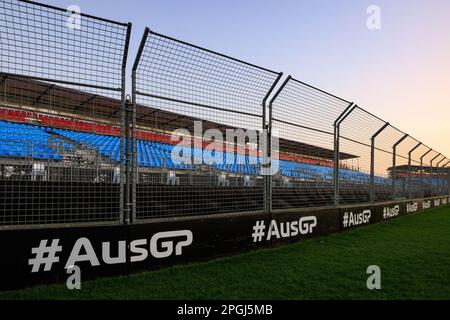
{"x":154,"y":149}
{"x":74,"y":124}
{"x":25,"y":140}
{"x":157,"y":154}
{"x":22,"y":140}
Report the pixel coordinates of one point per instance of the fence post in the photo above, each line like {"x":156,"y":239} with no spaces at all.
{"x":394,"y":165}
{"x":441,"y":180}
{"x":448,"y":181}
{"x":124,"y":217}
{"x":126,"y":164}
{"x":438,"y":176}
{"x":123,"y":173}
{"x":135,"y":165}
{"x":267,"y":131}
{"x":409,"y":168}
{"x":431,"y":173}
{"x":337,"y":126}
{"x":269,"y":151}
{"x":421,"y":172}
{"x":132,"y":188}
{"x":372,"y":162}
{"x":446,"y":172}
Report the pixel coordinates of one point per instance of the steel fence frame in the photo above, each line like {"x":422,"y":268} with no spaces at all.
{"x":182,"y":83}
{"x":395,"y":145}
{"x":209,"y":76}
{"x":288,"y":105}
{"x":77,"y":63}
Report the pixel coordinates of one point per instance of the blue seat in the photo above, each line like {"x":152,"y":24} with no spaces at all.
{"x":23,"y":140}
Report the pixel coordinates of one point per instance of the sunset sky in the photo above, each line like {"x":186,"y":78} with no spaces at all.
{"x":401,"y":72}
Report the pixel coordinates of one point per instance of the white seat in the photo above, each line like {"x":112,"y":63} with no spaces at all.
{"x":38,"y":171}
{"x":172,"y":179}
{"x":223,"y":181}
{"x":248,"y":182}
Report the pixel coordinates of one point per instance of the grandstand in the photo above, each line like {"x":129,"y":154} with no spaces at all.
{"x":47,"y":141}
{"x":66,"y":141}
{"x":53,"y":145}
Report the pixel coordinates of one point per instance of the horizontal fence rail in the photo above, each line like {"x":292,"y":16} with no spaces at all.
{"x":203,"y":133}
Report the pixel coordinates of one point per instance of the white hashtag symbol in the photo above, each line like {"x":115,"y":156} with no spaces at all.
{"x":258,"y":231}
{"x":345,"y":219}
{"x":45,"y":255}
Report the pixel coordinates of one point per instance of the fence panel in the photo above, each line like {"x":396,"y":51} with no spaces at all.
{"x":383,"y":163}
{"x":182,"y":91}
{"x":357,"y":131}
{"x":62,"y":84}
{"x":191,"y":142}
{"x":302,"y":117}
{"x":390,"y":164}
{"x":412,"y":170}
{"x":427,"y":172}
{"x":436,"y":176}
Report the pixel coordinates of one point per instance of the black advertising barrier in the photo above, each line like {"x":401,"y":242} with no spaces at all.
{"x":42,"y":256}
{"x":293,"y":226}
{"x":182,"y":240}
{"x":20,"y":267}
{"x":357,"y":216}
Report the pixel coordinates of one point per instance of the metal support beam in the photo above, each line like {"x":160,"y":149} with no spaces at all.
{"x":448,"y":180}
{"x":268,"y":178}
{"x":125,"y":161}
{"x":91,"y":98}
{"x":130,"y":145}
{"x":421,"y":170}
{"x":337,"y":125}
{"x":134,"y":157}
{"x":431,"y":172}
{"x":372,"y":162}
{"x":3,"y":79}
{"x":394,"y":165}
{"x":124,"y":136}
{"x":445,"y":178}
{"x":267,"y":131}
{"x":71,"y":83}
{"x":38,"y":99}
{"x":438,"y":174}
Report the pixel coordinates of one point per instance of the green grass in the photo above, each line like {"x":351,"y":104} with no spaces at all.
{"x":413,"y":253}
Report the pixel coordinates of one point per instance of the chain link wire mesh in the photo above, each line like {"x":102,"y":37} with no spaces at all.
{"x":407,"y":180}
{"x":436,"y":176}
{"x":62,"y":86}
{"x":391,"y":165}
{"x":73,"y":151}
{"x":356,"y":133}
{"x":383,"y":162}
{"x":180,"y":86}
{"x":303,"y":117}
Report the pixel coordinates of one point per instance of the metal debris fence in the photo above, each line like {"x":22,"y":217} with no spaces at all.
{"x":75,"y":150}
